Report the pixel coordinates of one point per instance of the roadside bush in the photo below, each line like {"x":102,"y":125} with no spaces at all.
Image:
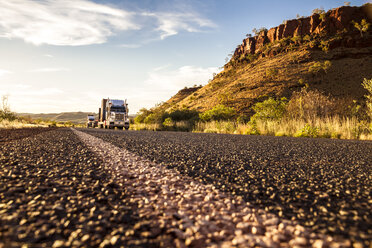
{"x":308,"y":104}
{"x":184,"y":115}
{"x":218,"y":113}
{"x":141,"y":115}
{"x":308,"y":131}
{"x":367,"y":84}
{"x":269,"y":109}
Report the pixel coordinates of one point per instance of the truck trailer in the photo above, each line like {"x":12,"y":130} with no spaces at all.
{"x":113,"y":113}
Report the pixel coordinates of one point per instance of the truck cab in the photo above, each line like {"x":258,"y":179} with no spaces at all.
{"x":91,"y":122}
{"x":113,"y":113}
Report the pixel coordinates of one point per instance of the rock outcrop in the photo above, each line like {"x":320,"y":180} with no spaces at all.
{"x":334,"y":21}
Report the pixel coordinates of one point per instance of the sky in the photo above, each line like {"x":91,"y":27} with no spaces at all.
{"x":66,"y":55}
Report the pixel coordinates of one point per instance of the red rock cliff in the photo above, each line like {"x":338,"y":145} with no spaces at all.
{"x":335,"y":20}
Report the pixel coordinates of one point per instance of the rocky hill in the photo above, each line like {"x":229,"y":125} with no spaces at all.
{"x":325,"y":51}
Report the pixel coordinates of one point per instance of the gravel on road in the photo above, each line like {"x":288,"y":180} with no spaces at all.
{"x":195,"y":214}
{"x":54,"y":192}
{"x":324,"y":185}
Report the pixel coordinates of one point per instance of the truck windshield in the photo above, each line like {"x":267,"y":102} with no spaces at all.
{"x":91,"y":118}
{"x":118,"y":109}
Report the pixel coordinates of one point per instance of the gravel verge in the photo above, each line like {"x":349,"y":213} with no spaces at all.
{"x":55,"y":193}
{"x":196,"y":214}
{"x":322,"y":184}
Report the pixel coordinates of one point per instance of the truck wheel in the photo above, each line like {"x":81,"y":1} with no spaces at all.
{"x":127,"y":128}
{"x":87,"y":126}
{"x":120,"y":128}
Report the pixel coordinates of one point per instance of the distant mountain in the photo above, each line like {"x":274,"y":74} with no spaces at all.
{"x":74,"y":117}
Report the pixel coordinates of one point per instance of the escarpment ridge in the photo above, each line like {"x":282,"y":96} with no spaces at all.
{"x":330,"y":23}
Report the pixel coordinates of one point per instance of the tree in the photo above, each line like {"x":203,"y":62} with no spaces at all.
{"x":5,"y":112}
{"x":362,"y":27}
{"x":259,"y":31}
{"x":269,"y":109}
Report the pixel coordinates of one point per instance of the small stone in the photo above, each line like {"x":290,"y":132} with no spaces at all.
{"x":271,"y":222}
{"x":58,"y":243}
{"x":318,"y":244}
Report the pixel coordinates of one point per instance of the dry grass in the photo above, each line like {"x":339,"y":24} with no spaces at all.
{"x":144,"y":126}
{"x":241,"y":86}
{"x":328,"y":127}
{"x":18,"y":124}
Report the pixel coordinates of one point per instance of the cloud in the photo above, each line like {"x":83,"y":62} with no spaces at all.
{"x":56,"y":69}
{"x":65,"y":23}
{"x":48,"y":55}
{"x":4,"y":72}
{"x":82,"y":22}
{"x":162,"y":83}
{"x":130,"y":45}
{"x":172,"y":23}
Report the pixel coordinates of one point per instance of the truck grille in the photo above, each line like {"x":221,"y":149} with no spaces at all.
{"x":119,"y":117}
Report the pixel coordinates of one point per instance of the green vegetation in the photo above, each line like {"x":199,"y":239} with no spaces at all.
{"x":317,"y":67}
{"x":367,"y":84}
{"x":362,"y":26}
{"x":5,"y":112}
{"x":218,"y":113}
{"x":320,"y":12}
{"x":9,"y":119}
{"x":308,"y":113}
{"x":269,"y":109}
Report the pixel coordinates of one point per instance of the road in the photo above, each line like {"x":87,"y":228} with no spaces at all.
{"x":66,"y":188}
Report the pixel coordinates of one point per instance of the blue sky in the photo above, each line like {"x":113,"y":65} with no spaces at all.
{"x":65,"y":55}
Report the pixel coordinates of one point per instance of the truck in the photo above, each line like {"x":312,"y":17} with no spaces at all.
{"x":91,"y":122}
{"x":113,"y":113}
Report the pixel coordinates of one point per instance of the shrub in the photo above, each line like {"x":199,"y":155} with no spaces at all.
{"x":259,"y":31}
{"x":362,"y":27}
{"x":308,"y":131}
{"x":155,"y":117}
{"x":141,"y":115}
{"x":184,"y":115}
{"x":324,"y":45}
{"x":309,"y":104}
{"x":316,"y":67}
{"x":219,"y":112}
{"x":367,"y":84}
{"x":5,"y":112}
{"x":318,"y":11}
{"x":168,"y":122}
{"x":269,"y":109}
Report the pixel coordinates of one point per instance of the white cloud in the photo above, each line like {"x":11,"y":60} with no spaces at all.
{"x":130,"y":45}
{"x":68,"y":22}
{"x":4,"y":72}
{"x":179,"y":78}
{"x":83,"y":22}
{"x":172,"y":23}
{"x":51,"y":69}
{"x":48,"y":55}
{"x":163,"y":84}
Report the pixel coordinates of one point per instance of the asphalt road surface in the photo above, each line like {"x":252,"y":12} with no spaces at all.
{"x":55,"y":191}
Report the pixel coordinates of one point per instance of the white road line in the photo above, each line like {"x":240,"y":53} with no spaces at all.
{"x":198,"y":215}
